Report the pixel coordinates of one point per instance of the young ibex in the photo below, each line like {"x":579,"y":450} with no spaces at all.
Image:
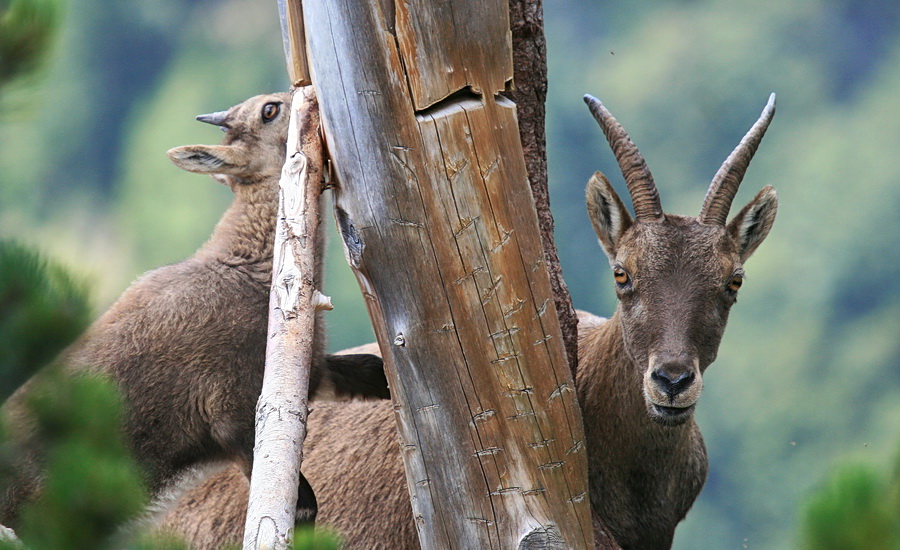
{"x":186,"y":342}
{"x":638,"y":380}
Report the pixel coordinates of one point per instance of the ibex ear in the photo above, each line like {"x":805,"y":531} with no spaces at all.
{"x":751,"y":225}
{"x":209,"y":159}
{"x":608,"y":215}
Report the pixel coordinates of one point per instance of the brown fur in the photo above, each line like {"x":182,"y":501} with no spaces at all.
{"x":366,"y":481}
{"x":186,"y":342}
{"x":355,"y":460}
{"x":638,"y":380}
{"x":646,"y":468}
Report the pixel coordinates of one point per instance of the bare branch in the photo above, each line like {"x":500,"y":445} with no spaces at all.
{"x":282,"y":408}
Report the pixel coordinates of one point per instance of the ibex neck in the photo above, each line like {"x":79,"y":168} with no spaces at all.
{"x":245,"y":234}
{"x":643,"y":476}
{"x":609,"y":383}
{"x":610,"y":390}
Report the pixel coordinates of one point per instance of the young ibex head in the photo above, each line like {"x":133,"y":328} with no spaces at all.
{"x":254,"y":144}
{"x":676,"y":277}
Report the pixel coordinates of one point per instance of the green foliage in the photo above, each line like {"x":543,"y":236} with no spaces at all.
{"x":309,"y":538}
{"x":159,"y":542}
{"x":27,"y":28}
{"x":42,"y":310}
{"x":305,"y":538}
{"x":857,"y":509}
{"x":92,"y":484}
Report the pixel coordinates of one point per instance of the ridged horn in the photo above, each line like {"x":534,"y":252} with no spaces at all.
{"x":216,"y":119}
{"x":644,"y":196}
{"x":725,"y":183}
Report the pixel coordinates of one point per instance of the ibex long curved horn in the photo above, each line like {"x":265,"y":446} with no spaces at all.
{"x":640,"y":184}
{"x":725,"y":183}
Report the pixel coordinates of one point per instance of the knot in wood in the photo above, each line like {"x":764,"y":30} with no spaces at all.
{"x":546,"y":537}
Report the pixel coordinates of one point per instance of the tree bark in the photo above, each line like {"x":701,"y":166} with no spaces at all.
{"x":441,"y":230}
{"x":282,"y":408}
{"x":529,"y":92}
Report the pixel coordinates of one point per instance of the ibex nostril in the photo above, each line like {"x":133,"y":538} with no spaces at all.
{"x":672,"y":383}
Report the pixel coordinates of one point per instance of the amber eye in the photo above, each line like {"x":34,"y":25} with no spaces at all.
{"x":620,"y":275}
{"x":735,"y":284}
{"x":270,"y":111}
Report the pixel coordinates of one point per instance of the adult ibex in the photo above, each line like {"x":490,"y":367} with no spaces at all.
{"x":638,"y":380}
{"x":186,"y":343}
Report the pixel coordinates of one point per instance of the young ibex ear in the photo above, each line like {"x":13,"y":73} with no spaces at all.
{"x":209,"y":159}
{"x":608,"y":215}
{"x":751,"y":225}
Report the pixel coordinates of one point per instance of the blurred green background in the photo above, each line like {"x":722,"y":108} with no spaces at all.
{"x":808,"y":376}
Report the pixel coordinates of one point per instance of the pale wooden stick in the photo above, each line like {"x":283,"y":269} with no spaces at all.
{"x":282,"y":408}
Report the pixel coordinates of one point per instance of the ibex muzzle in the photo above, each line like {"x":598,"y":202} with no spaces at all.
{"x":676,"y":277}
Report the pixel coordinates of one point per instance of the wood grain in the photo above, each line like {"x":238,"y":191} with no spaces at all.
{"x":440,"y":228}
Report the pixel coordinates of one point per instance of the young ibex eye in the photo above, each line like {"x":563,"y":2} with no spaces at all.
{"x":620,"y":275}
{"x":735,"y":284}
{"x":270,"y":111}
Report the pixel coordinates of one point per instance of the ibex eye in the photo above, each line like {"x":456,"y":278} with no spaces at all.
{"x":735,"y":284}
{"x":620,"y":276}
{"x":270,"y":111}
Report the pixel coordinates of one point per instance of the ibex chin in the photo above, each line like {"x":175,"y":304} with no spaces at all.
{"x":186,"y":342}
{"x":638,"y":380}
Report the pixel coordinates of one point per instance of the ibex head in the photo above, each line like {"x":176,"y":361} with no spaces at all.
{"x":676,"y":277}
{"x":254,"y":144}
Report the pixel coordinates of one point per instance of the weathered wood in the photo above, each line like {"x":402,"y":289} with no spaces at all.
{"x":282,"y":408}
{"x":445,"y":50}
{"x":440,"y":227}
{"x":290,"y":12}
{"x":8,"y":536}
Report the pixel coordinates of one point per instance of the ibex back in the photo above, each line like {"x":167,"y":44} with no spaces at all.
{"x":638,"y":379}
{"x":186,"y":342}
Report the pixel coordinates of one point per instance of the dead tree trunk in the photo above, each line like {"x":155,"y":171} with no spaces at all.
{"x":440,"y":227}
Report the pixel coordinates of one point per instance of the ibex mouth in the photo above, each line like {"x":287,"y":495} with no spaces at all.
{"x":670,"y":416}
